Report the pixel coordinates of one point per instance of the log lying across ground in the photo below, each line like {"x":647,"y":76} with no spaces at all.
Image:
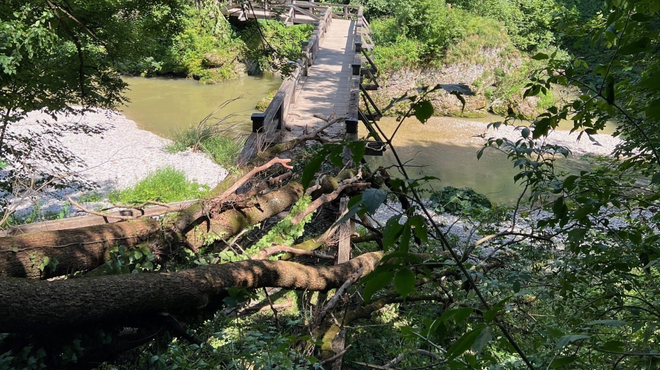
{"x":87,"y":248}
{"x":38,"y":306}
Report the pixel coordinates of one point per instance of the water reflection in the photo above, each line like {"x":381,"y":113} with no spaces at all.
{"x":161,"y":105}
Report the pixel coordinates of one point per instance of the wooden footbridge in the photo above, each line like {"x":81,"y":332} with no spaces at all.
{"x":327,"y":83}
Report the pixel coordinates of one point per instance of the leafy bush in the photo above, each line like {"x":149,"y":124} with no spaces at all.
{"x":164,"y":185}
{"x":457,"y":201}
{"x":207,"y":48}
{"x":419,"y":30}
{"x":271,"y":45}
{"x":528,"y":22}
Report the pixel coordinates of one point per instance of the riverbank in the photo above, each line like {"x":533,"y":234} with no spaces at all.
{"x":122,"y":154}
{"x":116,"y":156}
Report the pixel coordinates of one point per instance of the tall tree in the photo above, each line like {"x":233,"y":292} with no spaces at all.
{"x":58,"y":54}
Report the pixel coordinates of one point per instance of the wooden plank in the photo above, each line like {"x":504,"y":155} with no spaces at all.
{"x":345,"y":232}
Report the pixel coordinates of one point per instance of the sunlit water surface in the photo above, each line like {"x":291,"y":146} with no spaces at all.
{"x":442,"y":147}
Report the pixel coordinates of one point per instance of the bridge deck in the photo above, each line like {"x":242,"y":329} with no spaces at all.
{"x":326,"y":89}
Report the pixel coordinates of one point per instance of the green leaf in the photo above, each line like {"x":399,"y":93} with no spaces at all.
{"x":312,"y":168}
{"x":540,"y":56}
{"x":576,"y":235}
{"x":525,"y":132}
{"x":458,"y":314}
{"x":656,"y":178}
{"x":404,"y":282}
{"x":336,"y":157}
{"x":354,"y":206}
{"x":358,"y":149}
{"x":637,"y":46}
{"x":423,"y":110}
{"x":391,"y":232}
{"x":494,"y":310}
{"x":559,"y":208}
{"x":653,"y":109}
{"x":404,"y":241}
{"x":569,"y":182}
{"x":562,"y":361}
{"x":614,"y":346}
{"x":372,"y":199}
{"x":568,"y":339}
{"x":420,"y":227}
{"x":464,"y":342}
{"x":379,"y":281}
{"x":541,"y":128}
{"x":484,"y":337}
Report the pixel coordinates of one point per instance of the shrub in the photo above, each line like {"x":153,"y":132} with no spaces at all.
{"x":458,"y":201}
{"x":271,"y":44}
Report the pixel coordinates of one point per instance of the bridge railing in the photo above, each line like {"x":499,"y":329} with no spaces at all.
{"x":267,"y":126}
{"x":364,"y":69}
{"x":288,"y":11}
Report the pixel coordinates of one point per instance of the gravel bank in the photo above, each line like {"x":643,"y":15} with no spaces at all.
{"x":466,"y":132}
{"x":118,"y":157}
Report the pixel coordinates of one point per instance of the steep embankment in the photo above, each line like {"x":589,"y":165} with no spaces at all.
{"x":477,"y":59}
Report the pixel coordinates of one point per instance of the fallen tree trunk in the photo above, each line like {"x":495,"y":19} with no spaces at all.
{"x":69,"y":250}
{"x":87,"y":248}
{"x":36,"y":306}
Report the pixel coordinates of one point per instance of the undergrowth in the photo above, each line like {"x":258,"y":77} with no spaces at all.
{"x":164,"y":185}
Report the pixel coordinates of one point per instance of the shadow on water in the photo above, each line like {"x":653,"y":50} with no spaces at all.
{"x":162,"y":105}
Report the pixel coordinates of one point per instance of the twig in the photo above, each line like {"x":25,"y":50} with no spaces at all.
{"x":325,"y":198}
{"x":338,"y":294}
{"x":336,"y":357}
{"x":140,"y":206}
{"x":266,"y":252}
{"x":73,"y":202}
{"x":280,"y":178}
{"x":284,"y":162}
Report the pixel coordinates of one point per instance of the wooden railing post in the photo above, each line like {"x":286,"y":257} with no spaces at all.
{"x":257,"y":122}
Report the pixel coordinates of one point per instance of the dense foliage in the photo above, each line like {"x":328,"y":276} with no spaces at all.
{"x":54,"y":55}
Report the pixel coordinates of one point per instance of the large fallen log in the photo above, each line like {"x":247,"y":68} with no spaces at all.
{"x":87,"y":248}
{"x":38,"y":306}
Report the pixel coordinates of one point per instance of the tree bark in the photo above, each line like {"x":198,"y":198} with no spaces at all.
{"x":87,"y":248}
{"x":35,"y":306}
{"x":74,"y":250}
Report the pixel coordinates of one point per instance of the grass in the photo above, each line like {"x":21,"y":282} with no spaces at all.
{"x":223,"y":150}
{"x":213,"y":136}
{"x":164,"y":185}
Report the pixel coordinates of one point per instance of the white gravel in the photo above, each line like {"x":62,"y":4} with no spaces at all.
{"x":120,"y":156}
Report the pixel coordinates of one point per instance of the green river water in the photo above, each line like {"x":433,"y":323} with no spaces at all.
{"x":443,"y":147}
{"x":164,"y":105}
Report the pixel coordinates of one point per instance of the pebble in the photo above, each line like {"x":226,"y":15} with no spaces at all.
{"x":117,"y":158}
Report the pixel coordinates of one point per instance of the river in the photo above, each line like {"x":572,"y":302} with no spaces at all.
{"x":164,"y":105}
{"x":443,"y":147}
